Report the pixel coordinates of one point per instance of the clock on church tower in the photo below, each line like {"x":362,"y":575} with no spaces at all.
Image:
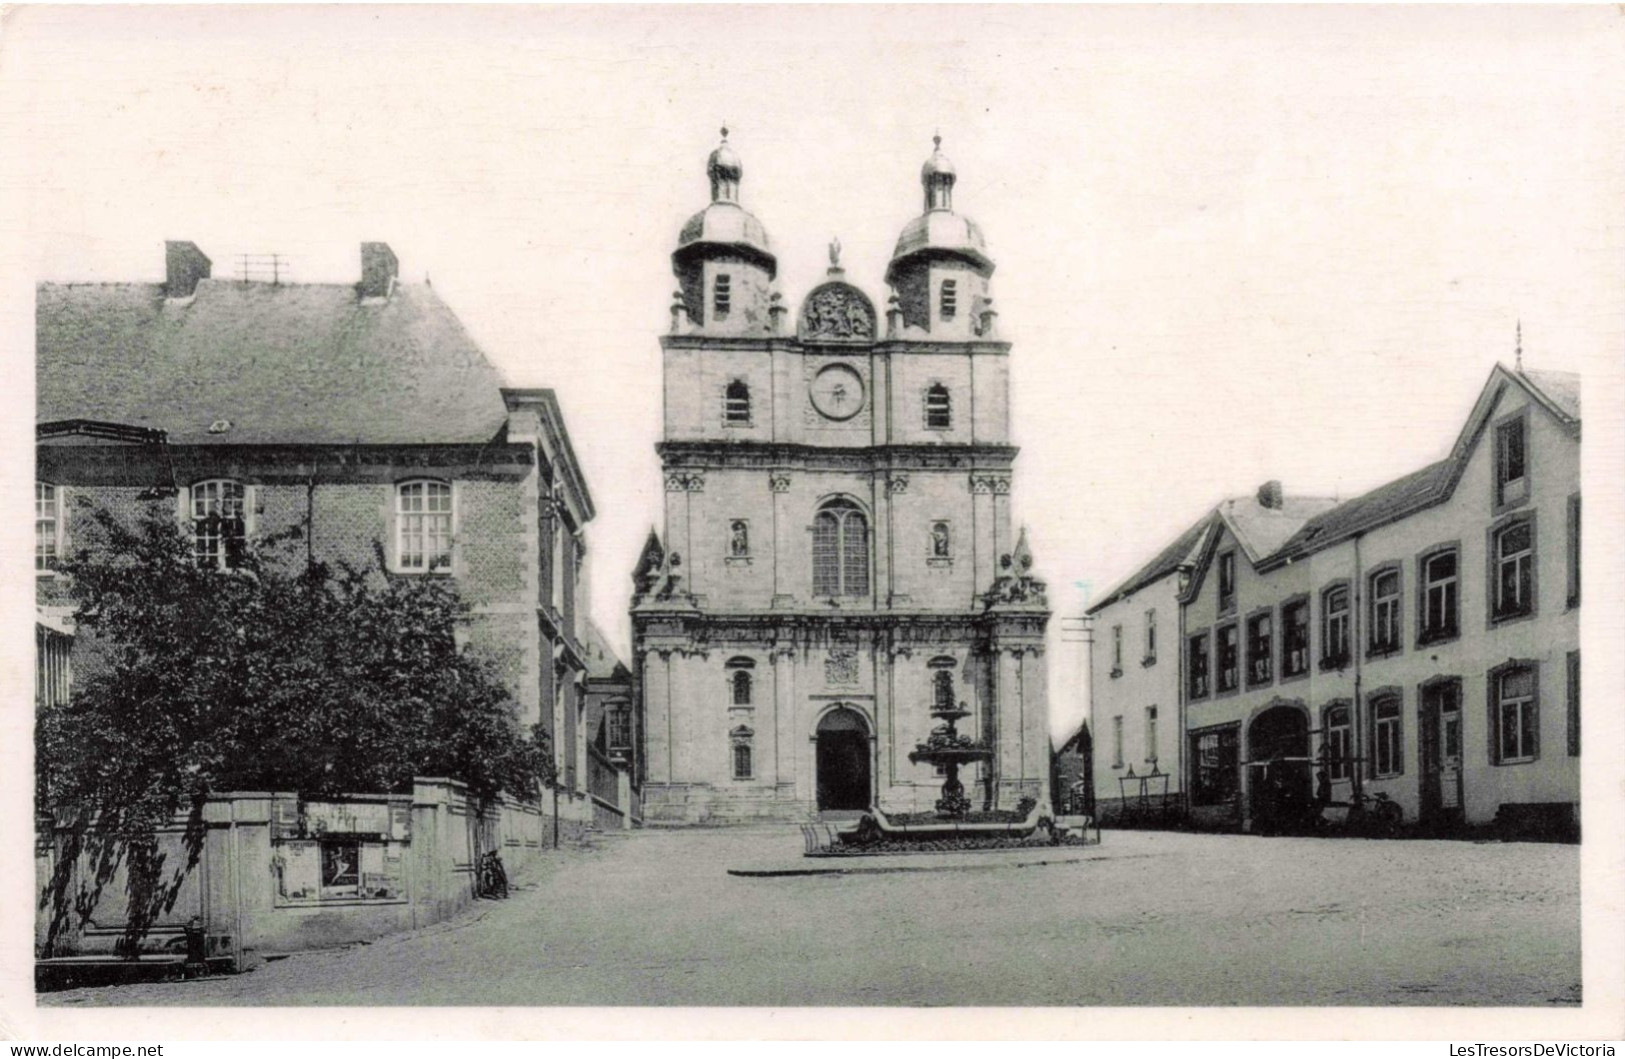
{"x":836,"y":557}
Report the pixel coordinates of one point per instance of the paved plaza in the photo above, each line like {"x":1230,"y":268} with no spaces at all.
{"x":654,"y":917}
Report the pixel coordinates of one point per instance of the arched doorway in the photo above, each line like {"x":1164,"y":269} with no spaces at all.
{"x":1279,"y":770}
{"x":843,"y":760}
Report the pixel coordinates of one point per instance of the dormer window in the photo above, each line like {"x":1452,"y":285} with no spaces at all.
{"x":949,"y":299}
{"x":218,"y":526}
{"x":736,"y":403}
{"x":722,"y":296}
{"x":939,"y":413}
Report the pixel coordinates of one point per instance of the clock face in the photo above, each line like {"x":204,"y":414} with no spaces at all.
{"x":837,"y":392}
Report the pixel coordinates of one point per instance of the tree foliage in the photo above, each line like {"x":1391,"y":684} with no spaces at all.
{"x":278,"y":675}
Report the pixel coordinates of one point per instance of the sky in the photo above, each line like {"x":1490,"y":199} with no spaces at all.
{"x":1233,"y":244}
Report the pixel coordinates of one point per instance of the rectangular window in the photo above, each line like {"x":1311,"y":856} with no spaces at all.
{"x":1214,"y":762}
{"x":1384,"y":611}
{"x":1227,"y":581}
{"x":950,"y":299}
{"x":47,"y":521}
{"x":218,"y":528}
{"x":1229,"y":658}
{"x":1295,"y":638}
{"x":1150,"y":637}
{"x":1517,"y":718}
{"x":1117,"y":742}
{"x":1511,"y":481}
{"x":741,"y":761}
{"x":619,"y":734}
{"x":1117,"y":650}
{"x":1386,"y":754}
{"x":1574,"y":703}
{"x":1151,"y":734}
{"x":722,"y":296}
{"x":1260,"y":649}
{"x":1197,"y":666}
{"x":1439,"y":597}
{"x":1513,"y":556}
{"x":1574,"y":551}
{"x":1334,"y":630}
{"x":1339,"y":747}
{"x":826,"y":556}
{"x":424,"y":514}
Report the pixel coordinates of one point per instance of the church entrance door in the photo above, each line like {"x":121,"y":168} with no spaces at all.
{"x":843,"y":761}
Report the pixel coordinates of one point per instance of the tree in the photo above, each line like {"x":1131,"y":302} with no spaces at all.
{"x":279,"y":674}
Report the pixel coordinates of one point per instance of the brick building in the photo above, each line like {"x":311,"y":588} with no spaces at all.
{"x":1420,"y":641}
{"x":837,"y":554}
{"x":364,"y":414}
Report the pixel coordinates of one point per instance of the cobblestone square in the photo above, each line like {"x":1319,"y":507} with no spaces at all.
{"x":654,"y":918}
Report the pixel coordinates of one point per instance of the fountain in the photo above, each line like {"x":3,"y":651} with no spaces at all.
{"x":947,"y":747}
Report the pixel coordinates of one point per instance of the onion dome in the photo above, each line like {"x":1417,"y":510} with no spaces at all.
{"x":725,"y":224}
{"x":939,"y":231}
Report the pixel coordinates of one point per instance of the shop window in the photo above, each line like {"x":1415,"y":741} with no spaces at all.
{"x":1215,"y":760}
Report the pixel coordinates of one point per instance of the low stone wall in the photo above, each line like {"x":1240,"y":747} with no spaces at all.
{"x":274,"y":875}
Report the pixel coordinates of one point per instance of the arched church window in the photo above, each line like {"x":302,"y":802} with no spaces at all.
{"x":939,"y":414}
{"x":740,"y":676}
{"x":736,"y":402}
{"x":840,"y":550}
{"x":741,"y":739}
{"x":949,"y":299}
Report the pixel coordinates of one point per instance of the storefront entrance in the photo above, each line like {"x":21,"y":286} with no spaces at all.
{"x":1279,"y":780}
{"x":844,"y":780}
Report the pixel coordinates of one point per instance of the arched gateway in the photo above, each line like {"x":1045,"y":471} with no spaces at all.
{"x":842,"y":765}
{"x":1280,"y":783}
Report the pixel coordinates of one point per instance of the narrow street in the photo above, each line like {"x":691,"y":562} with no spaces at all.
{"x":653,"y":917}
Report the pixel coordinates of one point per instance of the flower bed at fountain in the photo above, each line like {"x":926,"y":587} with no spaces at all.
{"x":963,"y":843}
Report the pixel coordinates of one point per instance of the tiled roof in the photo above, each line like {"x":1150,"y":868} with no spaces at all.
{"x":1260,"y":530}
{"x":1166,"y":562}
{"x":1379,"y":506}
{"x":1562,"y":388}
{"x":290,"y":364}
{"x":602,"y":663}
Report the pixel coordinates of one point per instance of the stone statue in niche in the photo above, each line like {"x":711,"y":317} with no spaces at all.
{"x":837,"y":311}
{"x":739,"y":541}
{"x":939,"y":540}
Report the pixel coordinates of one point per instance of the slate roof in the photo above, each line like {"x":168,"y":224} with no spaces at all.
{"x":602,"y":663}
{"x":1381,"y":505}
{"x":1261,"y":530}
{"x":1561,"y":388}
{"x":1182,"y":550}
{"x":288,"y":364}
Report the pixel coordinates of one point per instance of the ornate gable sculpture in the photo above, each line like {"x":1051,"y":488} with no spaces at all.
{"x":837,"y":311}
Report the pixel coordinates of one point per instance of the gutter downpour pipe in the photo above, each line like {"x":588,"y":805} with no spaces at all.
{"x":1180,"y":692}
{"x":1357,"y":707}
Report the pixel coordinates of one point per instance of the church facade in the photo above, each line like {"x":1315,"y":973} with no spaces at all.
{"x":837,"y":557}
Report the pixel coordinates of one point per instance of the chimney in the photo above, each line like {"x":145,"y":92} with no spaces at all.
{"x":184,"y":265}
{"x":1269,"y":495}
{"x":378,"y":270}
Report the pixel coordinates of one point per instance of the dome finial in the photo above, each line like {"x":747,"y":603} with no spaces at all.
{"x":936,"y":139}
{"x":725,"y":170}
{"x":937,"y":177}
